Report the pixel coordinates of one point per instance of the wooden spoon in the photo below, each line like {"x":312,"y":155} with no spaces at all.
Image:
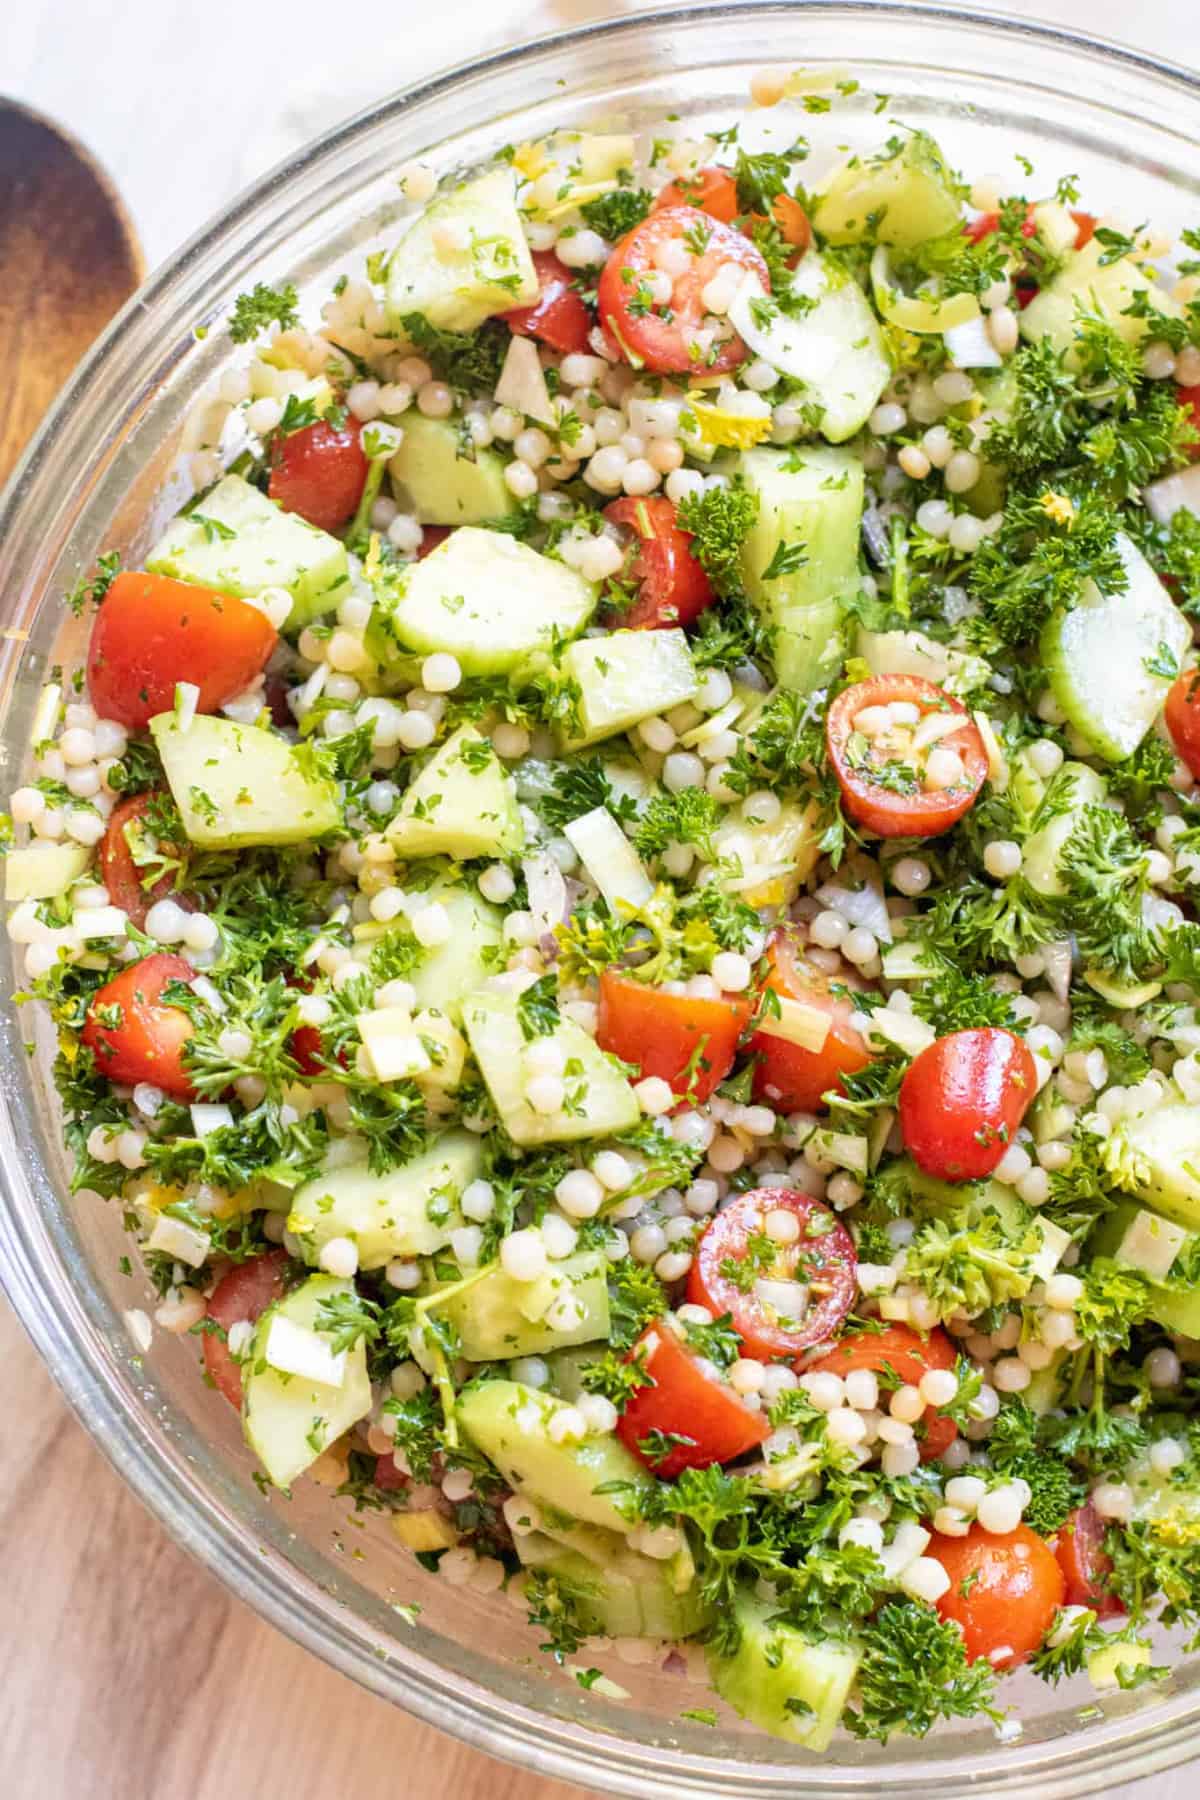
{"x":70,"y":258}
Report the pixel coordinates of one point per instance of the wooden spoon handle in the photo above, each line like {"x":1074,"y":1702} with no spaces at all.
{"x":70,"y":258}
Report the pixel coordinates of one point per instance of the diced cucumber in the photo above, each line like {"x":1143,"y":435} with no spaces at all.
{"x":1162,"y":1250}
{"x":908,"y":959}
{"x":267,"y":548}
{"x":1170,"y":1509}
{"x":497,"y":1317}
{"x":914,"y":653}
{"x":1050,"y":1117}
{"x":463,"y":804}
{"x":1113,"y":1664}
{"x":627,"y":676}
{"x":1075,"y":787}
{"x":439,"y":483}
{"x":901,"y":196}
{"x":457,"y":289}
{"x":236,"y":785}
{"x":610,"y":859}
{"x":450,"y":971}
{"x":599,"y":1101}
{"x":626,"y":1595}
{"x":835,"y":347}
{"x":491,"y":602}
{"x":569,"y":168}
{"x":289,"y":1421}
{"x":810,"y":502}
{"x":408,"y":1212}
{"x":1044,"y":1392}
{"x":775,"y":1664}
{"x":510,"y":1424}
{"x":42,"y":870}
{"x":1110,"y":659}
{"x":766,"y":863}
{"x":1084,"y":285}
{"x":1155,"y":1156}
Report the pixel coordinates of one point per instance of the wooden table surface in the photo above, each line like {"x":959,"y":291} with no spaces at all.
{"x":126,"y":1670}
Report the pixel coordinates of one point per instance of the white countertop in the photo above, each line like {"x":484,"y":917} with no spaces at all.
{"x":184,"y":105}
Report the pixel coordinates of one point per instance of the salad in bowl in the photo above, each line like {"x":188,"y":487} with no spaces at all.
{"x":617,"y":897}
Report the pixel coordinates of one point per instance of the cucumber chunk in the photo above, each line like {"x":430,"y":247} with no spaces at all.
{"x":439,"y":483}
{"x":491,"y":602}
{"x":810,"y":503}
{"x":627,"y":676}
{"x":766,"y":862}
{"x":1162,"y":1250}
{"x":510,"y":1424}
{"x":497,"y":1317}
{"x":456,"y":290}
{"x":1099,"y":657}
{"x":1075,"y":787}
{"x":599,"y":1101}
{"x":625,"y":1595}
{"x":42,"y":870}
{"x":268,"y":548}
{"x":901,"y":196}
{"x":835,"y":348}
{"x":237,"y":785}
{"x":451,"y":971}
{"x":1110,"y":291}
{"x":914,"y":653}
{"x":774,"y":1664}
{"x":463,"y":804}
{"x":288,"y":1420}
{"x":1155,"y":1156}
{"x":408,"y":1212}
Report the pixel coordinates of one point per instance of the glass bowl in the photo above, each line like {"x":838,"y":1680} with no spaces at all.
{"x":105,"y":470}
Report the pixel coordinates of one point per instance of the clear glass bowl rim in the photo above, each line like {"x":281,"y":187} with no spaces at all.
{"x":1127,"y":1747}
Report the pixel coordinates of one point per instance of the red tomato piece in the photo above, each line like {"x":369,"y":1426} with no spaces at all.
{"x":635,"y":326}
{"x":907,"y":1354}
{"x":680,"y":1398}
{"x":152,"y":632}
{"x":963,"y":1099}
{"x":684,"y":1040}
{"x":120,"y":874}
{"x":1085,"y":227}
{"x":1182,"y":716}
{"x":1189,"y":398}
{"x":559,"y":316}
{"x":245,"y":1293}
{"x":388,"y":1477}
{"x":1085,"y":1563}
{"x":986,"y":223}
{"x":319,"y":472}
{"x":431,"y":537}
{"x":713,"y":190}
{"x":882,"y":778}
{"x":787,"y":1076}
{"x":791,"y":221}
{"x":147,"y":1042}
{"x":1004,"y":1591}
{"x":673,"y":589}
{"x":822,"y":1260}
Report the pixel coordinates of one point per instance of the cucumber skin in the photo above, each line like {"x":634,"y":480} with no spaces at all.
{"x":773,"y":1664}
{"x":631,"y":1596}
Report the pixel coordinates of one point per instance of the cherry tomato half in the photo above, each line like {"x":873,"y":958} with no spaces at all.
{"x":129,"y":828}
{"x":963,"y":1099}
{"x":559,"y":316}
{"x":887,"y":784}
{"x":673,"y":589}
{"x":145,"y":1041}
{"x":1189,"y":397}
{"x":903,"y":1352}
{"x":431,"y":537}
{"x":787,"y":1076}
{"x":681,"y":1399}
{"x":790,"y":220}
{"x":635,"y":324}
{"x":817,"y":1276}
{"x":319,"y":472}
{"x":152,"y":632}
{"x":1079,"y":1548}
{"x":1182,"y":716}
{"x":685,"y":1040}
{"x":1004,"y":1591}
{"x":245,"y":1293}
{"x":713,"y":190}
